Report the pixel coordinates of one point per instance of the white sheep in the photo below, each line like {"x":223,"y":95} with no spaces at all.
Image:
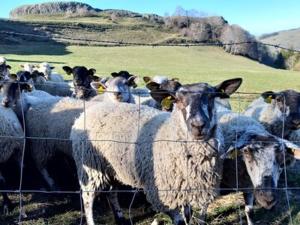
{"x":11,"y":143}
{"x":173,"y":157}
{"x":52,"y":117}
{"x":259,"y":155}
{"x":279,"y":112}
{"x":47,"y":70}
{"x":29,"y":67}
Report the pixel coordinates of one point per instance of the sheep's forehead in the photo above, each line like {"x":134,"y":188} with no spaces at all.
{"x":292,"y":98}
{"x":116,"y":82}
{"x":195,"y":89}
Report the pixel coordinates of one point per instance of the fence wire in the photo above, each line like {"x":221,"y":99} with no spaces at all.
{"x":121,"y":43}
{"x":128,"y":140}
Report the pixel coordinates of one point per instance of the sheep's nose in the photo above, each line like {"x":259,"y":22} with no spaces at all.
{"x":199,"y":125}
{"x":296,"y":123}
{"x":5,"y":102}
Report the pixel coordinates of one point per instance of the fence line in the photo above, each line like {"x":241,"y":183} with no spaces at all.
{"x":109,"y":43}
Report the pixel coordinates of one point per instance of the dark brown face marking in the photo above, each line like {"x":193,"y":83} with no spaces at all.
{"x":82,"y":78}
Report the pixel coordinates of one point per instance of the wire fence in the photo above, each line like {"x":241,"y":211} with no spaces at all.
{"x":155,"y":162}
{"x":39,"y":145}
{"x":121,"y":43}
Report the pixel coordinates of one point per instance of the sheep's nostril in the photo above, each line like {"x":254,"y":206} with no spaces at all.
{"x":5,"y":103}
{"x":197,"y":125}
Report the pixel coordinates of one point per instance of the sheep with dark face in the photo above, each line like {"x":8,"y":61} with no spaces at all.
{"x":189,"y":136}
{"x":159,"y":87}
{"x":4,"y":69}
{"x":82,"y":78}
{"x":279,"y":112}
{"x":260,"y":158}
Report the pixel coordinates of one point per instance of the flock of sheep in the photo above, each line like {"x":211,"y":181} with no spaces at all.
{"x":169,"y":139}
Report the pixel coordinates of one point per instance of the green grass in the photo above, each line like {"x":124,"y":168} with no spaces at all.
{"x":194,"y":64}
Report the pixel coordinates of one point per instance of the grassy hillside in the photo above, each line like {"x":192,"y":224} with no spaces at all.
{"x":286,"y":38}
{"x":192,"y":64}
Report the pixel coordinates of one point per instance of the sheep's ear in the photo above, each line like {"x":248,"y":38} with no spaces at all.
{"x":228,"y":87}
{"x":175,"y":79}
{"x":96,"y":78}
{"x":37,"y":66}
{"x":147,"y":79}
{"x":91,"y":71}
{"x":68,"y":70}
{"x":152,"y":86}
{"x":114,"y":74}
{"x":8,"y":67}
{"x":131,"y":81}
{"x":268,"y":96}
{"x":13,"y":76}
{"x":22,"y":65}
{"x":98,"y":86}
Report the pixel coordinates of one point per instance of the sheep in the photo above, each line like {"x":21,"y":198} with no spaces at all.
{"x":279,"y":112}
{"x":4,"y":69}
{"x":260,"y":158}
{"x":11,"y":139}
{"x":159,"y":86}
{"x":189,"y":137}
{"x":29,"y":67}
{"x":82,"y":78}
{"x":52,"y":117}
{"x":46,"y":69}
{"x":115,"y":89}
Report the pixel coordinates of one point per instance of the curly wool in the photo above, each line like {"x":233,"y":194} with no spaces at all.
{"x":145,"y":149}
{"x":11,"y":134}
{"x":55,"y":88}
{"x":268,"y":115}
{"x":49,"y":120}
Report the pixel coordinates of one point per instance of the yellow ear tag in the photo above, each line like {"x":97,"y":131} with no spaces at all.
{"x":101,"y":90}
{"x":268,"y":99}
{"x":234,"y":154}
{"x":166,"y":103}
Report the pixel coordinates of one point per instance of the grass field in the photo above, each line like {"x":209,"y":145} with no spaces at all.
{"x":194,"y":64}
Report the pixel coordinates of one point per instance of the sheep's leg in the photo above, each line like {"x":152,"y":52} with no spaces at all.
{"x":88,"y":202}
{"x":7,"y":205}
{"x":249,"y":198}
{"x":116,"y":208}
{"x":176,"y":217}
{"x":48,"y":179}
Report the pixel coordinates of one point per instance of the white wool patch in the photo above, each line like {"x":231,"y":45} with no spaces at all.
{"x":159,"y":79}
{"x":2,"y":60}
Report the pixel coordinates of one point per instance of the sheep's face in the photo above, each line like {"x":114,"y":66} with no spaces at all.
{"x":4,"y":71}
{"x":45,"y":68}
{"x":265,"y":158}
{"x":286,"y":106}
{"x":158,"y":90}
{"x":11,"y":92}
{"x":117,"y":89}
{"x":82,"y":78}
{"x":28,"y":67}
{"x":196,"y":103}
